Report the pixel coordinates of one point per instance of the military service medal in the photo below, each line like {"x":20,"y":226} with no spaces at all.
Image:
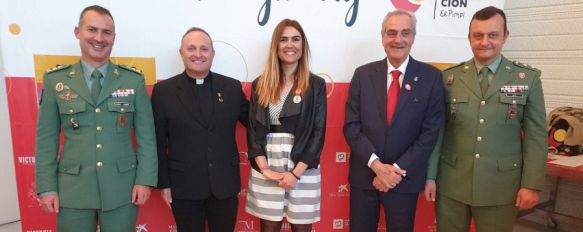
{"x":123,"y":120}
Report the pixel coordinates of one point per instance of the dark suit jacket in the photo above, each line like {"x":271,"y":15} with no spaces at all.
{"x":197,"y":159}
{"x":412,"y":136}
{"x":305,"y":120}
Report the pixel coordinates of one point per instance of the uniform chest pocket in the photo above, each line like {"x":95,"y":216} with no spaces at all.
{"x":457,"y":106}
{"x":122,"y":114}
{"x":72,"y":115}
{"x":511,"y":109}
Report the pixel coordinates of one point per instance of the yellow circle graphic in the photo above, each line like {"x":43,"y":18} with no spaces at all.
{"x":14,"y":29}
{"x":560,"y":135}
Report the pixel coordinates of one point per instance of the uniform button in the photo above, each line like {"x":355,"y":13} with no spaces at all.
{"x":483,"y":103}
{"x":210,"y":165}
{"x":70,"y":110}
{"x":97,"y":110}
{"x":477,"y":156}
{"x":99,"y":128}
{"x":98,"y":146}
{"x":99,"y":164}
{"x":454,"y":100}
{"x":515,"y":165}
{"x":513,"y":101}
{"x":479,"y":138}
{"x":122,"y":109}
{"x":481,"y":120}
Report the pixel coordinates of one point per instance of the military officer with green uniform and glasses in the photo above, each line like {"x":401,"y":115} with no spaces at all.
{"x":98,"y":177}
{"x":493,"y":155}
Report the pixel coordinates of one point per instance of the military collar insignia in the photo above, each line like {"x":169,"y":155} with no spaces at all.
{"x":450,"y":79}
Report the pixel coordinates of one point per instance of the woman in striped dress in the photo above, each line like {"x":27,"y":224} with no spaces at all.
{"x":286,"y":134}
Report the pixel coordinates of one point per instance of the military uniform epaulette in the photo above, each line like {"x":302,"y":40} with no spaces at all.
{"x":526,"y":66}
{"x":130,"y":68}
{"x":57,"y":68}
{"x":455,"y":66}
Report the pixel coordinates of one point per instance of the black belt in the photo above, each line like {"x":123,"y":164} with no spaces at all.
{"x":276,"y":129}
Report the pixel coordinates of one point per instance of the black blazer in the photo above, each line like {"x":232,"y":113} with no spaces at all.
{"x":305,"y":120}
{"x":197,"y":159}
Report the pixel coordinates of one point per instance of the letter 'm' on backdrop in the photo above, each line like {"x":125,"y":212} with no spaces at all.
{"x":343,"y":34}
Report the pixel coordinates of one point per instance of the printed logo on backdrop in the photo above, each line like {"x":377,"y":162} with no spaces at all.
{"x":408,"y":5}
{"x":451,"y":9}
{"x":341,"y":191}
{"x":341,"y":157}
{"x":26,"y":160}
{"x":247,"y":226}
{"x":339,"y":223}
{"x":141,"y":228}
{"x":349,"y":20}
{"x":243,"y":158}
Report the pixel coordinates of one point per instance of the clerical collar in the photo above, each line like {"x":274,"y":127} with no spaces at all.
{"x":199,"y":81}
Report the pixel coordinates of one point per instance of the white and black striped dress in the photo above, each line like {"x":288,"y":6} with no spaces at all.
{"x":265,"y":199}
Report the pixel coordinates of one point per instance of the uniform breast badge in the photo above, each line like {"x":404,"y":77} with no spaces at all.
{"x":512,"y":110}
{"x":123,"y":119}
{"x":59,"y":87}
{"x":74,"y":124}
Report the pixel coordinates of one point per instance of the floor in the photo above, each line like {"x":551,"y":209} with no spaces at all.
{"x":526,"y":224}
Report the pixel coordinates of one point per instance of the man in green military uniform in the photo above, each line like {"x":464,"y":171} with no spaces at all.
{"x":492,"y":159}
{"x":98,"y":176}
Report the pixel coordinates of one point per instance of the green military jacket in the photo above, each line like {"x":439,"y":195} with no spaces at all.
{"x":491,"y":145}
{"x":96,"y":165}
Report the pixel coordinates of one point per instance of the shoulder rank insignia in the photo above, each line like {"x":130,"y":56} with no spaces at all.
{"x":526,"y":66}
{"x":130,"y":68}
{"x":57,"y":68}
{"x":455,"y":66}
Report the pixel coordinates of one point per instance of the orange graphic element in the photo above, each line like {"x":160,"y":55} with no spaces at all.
{"x":147,"y":66}
{"x":14,"y":29}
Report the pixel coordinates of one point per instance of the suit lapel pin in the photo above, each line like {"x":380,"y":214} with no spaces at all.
{"x":450,"y":79}
{"x":297,"y":97}
{"x":408,"y":87}
{"x":59,"y":87}
{"x":220,"y":97}
{"x":415,"y":79}
{"x":521,"y":75}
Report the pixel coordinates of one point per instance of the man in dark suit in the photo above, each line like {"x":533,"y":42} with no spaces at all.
{"x":196,"y":115}
{"x":98,"y":177}
{"x":393,"y":115}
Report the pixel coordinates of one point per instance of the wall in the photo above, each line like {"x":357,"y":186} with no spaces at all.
{"x":548,"y":34}
{"x":9,"y":203}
